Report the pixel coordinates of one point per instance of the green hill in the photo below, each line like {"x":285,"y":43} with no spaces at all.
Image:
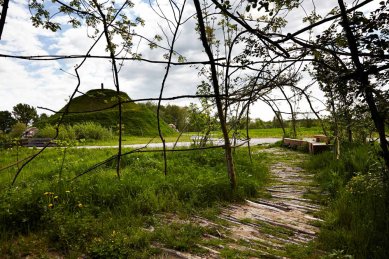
{"x":137,"y":120}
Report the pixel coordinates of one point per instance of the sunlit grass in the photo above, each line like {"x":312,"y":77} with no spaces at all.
{"x":101,"y":216}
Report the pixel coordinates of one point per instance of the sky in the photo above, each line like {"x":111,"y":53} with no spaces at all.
{"x":49,"y":84}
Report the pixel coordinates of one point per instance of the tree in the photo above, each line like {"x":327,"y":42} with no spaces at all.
{"x":41,"y":120}
{"x":176,"y":115}
{"x":200,"y":120}
{"x":356,"y":46}
{"x":24,"y":113}
{"x":277,"y":121}
{"x":171,"y":114}
{"x":361,"y":45}
{"x":6,"y":121}
{"x":363,"y":70}
{"x":257,"y":123}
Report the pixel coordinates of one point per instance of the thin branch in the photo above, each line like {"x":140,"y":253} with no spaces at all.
{"x":3,"y":16}
{"x":177,"y":26}
{"x":62,"y":117}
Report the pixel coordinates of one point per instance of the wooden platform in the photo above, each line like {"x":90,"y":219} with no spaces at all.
{"x":37,"y":142}
{"x":311,"y":146}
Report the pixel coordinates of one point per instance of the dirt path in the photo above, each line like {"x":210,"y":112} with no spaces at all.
{"x":265,"y":227}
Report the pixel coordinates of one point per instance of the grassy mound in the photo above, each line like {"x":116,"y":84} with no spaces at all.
{"x":100,"y":106}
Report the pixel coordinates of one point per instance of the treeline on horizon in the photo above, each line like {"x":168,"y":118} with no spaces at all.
{"x":191,"y":118}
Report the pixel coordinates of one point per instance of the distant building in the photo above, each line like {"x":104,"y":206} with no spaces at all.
{"x":30,"y":132}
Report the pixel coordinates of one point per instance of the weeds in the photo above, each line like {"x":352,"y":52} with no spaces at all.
{"x":356,"y":222}
{"x":102,"y":216}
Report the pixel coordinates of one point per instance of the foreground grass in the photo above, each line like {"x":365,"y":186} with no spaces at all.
{"x":45,"y":214}
{"x":357,"y":219}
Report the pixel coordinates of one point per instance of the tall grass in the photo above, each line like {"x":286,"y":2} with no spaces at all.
{"x":102,"y":216}
{"x":357,"y":221}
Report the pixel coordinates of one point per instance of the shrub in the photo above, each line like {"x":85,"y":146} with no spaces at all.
{"x":17,"y":130}
{"x":121,"y":245}
{"x":357,"y":220}
{"x":66,"y":132}
{"x":69,"y":231}
{"x":48,"y":131}
{"x":85,"y":130}
{"x":92,"y":130}
{"x":5,"y":140}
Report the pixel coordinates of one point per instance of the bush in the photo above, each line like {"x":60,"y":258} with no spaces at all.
{"x":65,"y":132}
{"x":86,"y":130}
{"x":5,"y":141}
{"x":334,"y":174}
{"x":69,"y":231}
{"x":17,"y":130}
{"x":92,"y":130}
{"x":357,"y":220}
{"x":48,"y":131}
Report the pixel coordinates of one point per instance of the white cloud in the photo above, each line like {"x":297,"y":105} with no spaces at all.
{"x":41,"y":83}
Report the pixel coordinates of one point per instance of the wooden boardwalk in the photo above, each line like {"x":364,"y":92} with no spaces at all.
{"x":267,"y":226}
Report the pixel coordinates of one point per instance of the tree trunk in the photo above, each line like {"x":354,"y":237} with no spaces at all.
{"x":349,"y":133}
{"x":3,"y":16}
{"x":336,"y":128}
{"x":219,"y":104}
{"x":116,"y":83}
{"x":380,"y":126}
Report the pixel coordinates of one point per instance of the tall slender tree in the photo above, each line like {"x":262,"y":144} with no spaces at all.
{"x":24,"y":113}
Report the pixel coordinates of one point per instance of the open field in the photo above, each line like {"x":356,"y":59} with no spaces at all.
{"x":277,"y":132}
{"x":192,"y":209}
{"x":186,"y":137}
{"x":46,"y":214}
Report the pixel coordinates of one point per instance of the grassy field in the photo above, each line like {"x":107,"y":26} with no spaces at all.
{"x":356,"y":220}
{"x":47,"y":214}
{"x":278,"y":133}
{"x":186,"y":137}
{"x":129,"y":140}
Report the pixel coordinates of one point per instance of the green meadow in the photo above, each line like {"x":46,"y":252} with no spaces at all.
{"x":186,"y":137}
{"x":50,"y":212}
